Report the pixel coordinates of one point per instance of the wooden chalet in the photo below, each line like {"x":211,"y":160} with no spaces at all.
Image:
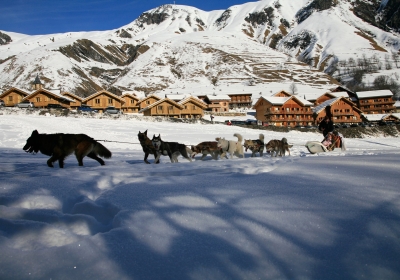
{"x":130,"y":103}
{"x":240,"y":100}
{"x":351,"y":94}
{"x":376,"y":101}
{"x":375,"y":118}
{"x":282,"y":93}
{"x":193,"y":108}
{"x":342,"y":110}
{"x":397,"y":106}
{"x":163,"y":108}
{"x":283,"y":111}
{"x":148,"y":100}
{"x":13,"y":96}
{"x":217,"y":102}
{"x":43,"y":97}
{"x":318,"y":98}
{"x":102,"y":99}
{"x":76,"y":100}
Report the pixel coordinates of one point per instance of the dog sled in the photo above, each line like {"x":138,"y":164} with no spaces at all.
{"x":327,"y":145}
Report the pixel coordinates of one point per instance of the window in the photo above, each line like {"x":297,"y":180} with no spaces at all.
{"x":10,"y":98}
{"x":110,"y":101}
{"x":147,"y":102}
{"x":37,"y":99}
{"x":185,"y":107}
{"x":288,"y":109}
{"x":276,"y":109}
{"x":160,"y":108}
{"x":132,"y":101}
{"x":170,"y":108}
{"x":194,"y":107}
{"x":97,"y":101}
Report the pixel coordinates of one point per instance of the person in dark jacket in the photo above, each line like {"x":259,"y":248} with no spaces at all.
{"x":326,"y":126}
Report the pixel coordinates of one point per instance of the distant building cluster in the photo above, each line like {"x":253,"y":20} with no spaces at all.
{"x":279,"y":109}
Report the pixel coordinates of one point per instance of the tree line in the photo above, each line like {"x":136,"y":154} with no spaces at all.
{"x":351,"y":73}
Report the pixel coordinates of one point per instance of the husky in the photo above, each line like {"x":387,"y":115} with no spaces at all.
{"x":147,"y":146}
{"x":231,"y":146}
{"x":60,"y":145}
{"x":205,"y":148}
{"x":171,"y":149}
{"x":278,"y":146}
{"x":255,"y":146}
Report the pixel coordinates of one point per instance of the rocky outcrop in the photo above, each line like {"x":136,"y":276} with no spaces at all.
{"x":263,"y":17}
{"x":314,"y":6}
{"x":4,"y":39}
{"x":384,"y":16}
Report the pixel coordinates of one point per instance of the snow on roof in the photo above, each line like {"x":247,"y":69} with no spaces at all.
{"x":374,"y":93}
{"x":339,"y":93}
{"x":310,"y":96}
{"x":175,"y":97}
{"x":218,"y":97}
{"x":375,"y":117}
{"x":322,"y":106}
{"x":397,"y":104}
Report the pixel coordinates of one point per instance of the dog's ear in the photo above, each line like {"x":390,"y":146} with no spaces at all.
{"x":217,"y":138}
{"x":145,"y":133}
{"x":35,"y":132}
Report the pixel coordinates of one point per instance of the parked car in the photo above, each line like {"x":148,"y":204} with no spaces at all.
{"x":345,"y":125}
{"x":56,"y":106}
{"x":354,"y":125}
{"x":112,"y":110}
{"x":25,"y":104}
{"x":86,"y":109}
{"x":2,"y":104}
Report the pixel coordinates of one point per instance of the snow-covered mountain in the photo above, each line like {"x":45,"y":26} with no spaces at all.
{"x":175,"y":48}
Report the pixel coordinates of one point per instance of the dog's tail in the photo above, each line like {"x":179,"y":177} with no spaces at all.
{"x":101,"y":151}
{"x":261,"y":137}
{"x":240,"y":137}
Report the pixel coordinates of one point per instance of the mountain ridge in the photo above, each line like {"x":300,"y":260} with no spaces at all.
{"x":176,"y":48}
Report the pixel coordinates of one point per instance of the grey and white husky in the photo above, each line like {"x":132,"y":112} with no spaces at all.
{"x":171,"y":149}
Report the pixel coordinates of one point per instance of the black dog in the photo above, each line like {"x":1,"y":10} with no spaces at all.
{"x":171,"y":149}
{"x":147,"y":146}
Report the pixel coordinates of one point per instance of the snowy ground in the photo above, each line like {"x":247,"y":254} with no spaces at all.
{"x":329,"y":216}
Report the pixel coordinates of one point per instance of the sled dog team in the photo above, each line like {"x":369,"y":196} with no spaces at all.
{"x":220,"y":147}
{"x":59,"y":145}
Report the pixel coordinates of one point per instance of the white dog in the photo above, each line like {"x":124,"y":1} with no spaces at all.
{"x":231,"y":146}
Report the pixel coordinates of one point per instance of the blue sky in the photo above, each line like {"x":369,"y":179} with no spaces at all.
{"x":35,"y":17}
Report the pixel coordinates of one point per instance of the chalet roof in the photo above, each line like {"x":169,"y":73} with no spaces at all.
{"x":374,"y":93}
{"x":196,"y":100}
{"x":342,"y":88}
{"x":323,"y":105}
{"x":55,"y":92}
{"x":311,"y":96}
{"x":176,"y":97}
{"x":130,"y":95}
{"x":218,"y":97}
{"x":397,"y":104}
{"x":161,"y":101}
{"x":239,"y":93}
{"x":101,"y":92}
{"x":339,"y":93}
{"x":376,"y":117}
{"x":397,"y":115}
{"x":276,"y":100}
{"x":150,"y":96}
{"x":72,"y":95}
{"x":282,"y":91}
{"x":14,"y":89}
{"x":329,"y":102}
